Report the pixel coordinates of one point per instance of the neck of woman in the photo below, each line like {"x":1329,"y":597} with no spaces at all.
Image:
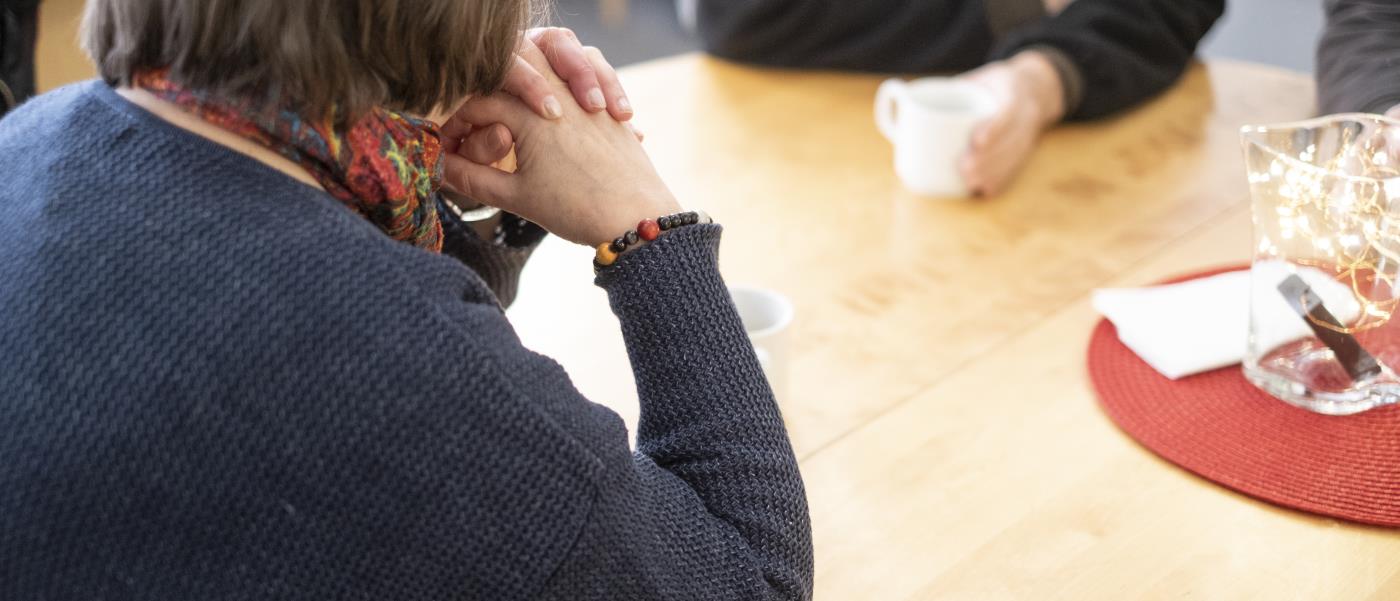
{"x":183,"y":120}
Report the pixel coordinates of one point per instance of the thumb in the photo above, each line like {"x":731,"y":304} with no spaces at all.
{"x":486,"y":110}
{"x":481,"y":183}
{"x":992,"y":127}
{"x":487,"y":145}
{"x":982,"y":135}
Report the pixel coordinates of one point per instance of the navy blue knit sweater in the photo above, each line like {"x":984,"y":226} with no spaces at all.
{"x":218,"y":383}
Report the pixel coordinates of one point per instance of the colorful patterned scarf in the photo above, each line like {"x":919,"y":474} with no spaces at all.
{"x":384,"y":166}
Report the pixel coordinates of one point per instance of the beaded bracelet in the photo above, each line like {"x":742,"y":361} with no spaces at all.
{"x":646,"y":231}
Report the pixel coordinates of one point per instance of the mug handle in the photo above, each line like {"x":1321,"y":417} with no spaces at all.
{"x":887,"y":100}
{"x":765,"y":359}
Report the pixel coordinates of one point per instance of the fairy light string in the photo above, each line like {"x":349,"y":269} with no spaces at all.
{"x":1359,"y":236}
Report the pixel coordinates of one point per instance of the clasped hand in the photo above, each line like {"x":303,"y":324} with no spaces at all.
{"x":579,"y":169}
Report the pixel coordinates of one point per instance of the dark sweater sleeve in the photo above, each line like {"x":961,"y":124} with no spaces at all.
{"x":890,"y":36}
{"x":1358,"y":59}
{"x":499,"y":261}
{"x":19,"y":28}
{"x":709,"y":507}
{"x":1113,"y":54}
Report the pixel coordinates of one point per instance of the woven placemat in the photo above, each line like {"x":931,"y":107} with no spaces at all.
{"x":1220,"y":427}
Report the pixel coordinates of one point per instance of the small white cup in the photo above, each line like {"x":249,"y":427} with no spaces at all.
{"x":767,"y":316}
{"x":930,"y":123}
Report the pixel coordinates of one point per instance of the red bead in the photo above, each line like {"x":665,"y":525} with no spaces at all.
{"x":648,"y":229}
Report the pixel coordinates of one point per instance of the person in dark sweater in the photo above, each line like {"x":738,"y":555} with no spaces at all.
{"x":1044,"y":60}
{"x":19,"y":28}
{"x":1358,"y":58}
{"x":252,"y":354}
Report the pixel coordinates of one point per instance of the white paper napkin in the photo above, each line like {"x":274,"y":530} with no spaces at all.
{"x":1200,"y":325}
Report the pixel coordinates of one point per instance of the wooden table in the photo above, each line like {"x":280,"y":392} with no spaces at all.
{"x":950,"y":440}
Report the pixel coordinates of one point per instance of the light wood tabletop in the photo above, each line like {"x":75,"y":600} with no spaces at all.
{"x":937,"y":395}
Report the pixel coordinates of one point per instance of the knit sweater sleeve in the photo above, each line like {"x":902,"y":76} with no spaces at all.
{"x":1358,"y":59}
{"x":709,"y":506}
{"x":1113,"y":54}
{"x":888,"y":36}
{"x":498,"y":262}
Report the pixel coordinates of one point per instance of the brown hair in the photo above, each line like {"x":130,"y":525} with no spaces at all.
{"x":314,"y":55}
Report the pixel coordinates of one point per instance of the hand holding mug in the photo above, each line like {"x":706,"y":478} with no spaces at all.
{"x":1029,"y":98}
{"x":930,"y":122}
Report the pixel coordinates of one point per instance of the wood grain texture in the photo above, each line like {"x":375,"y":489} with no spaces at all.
{"x":952,"y":444}
{"x":893,"y":291}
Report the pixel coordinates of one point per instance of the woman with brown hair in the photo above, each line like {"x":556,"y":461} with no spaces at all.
{"x":251,"y":351}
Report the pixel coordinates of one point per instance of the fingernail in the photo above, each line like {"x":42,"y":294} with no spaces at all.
{"x":500,"y":141}
{"x":552,"y":108}
{"x":624,"y":105}
{"x":596,"y":99}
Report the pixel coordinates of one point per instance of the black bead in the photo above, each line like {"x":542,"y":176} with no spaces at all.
{"x":632,"y":237}
{"x":692,"y":218}
{"x":664,"y":222}
{"x":618,"y":245}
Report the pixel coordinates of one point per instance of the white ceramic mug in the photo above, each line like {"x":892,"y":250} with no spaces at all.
{"x":930,"y":123}
{"x":767,"y":316}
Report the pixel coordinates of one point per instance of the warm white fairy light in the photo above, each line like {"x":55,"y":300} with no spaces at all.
{"x":1364,"y":236}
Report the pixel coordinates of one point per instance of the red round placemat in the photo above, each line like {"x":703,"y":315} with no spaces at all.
{"x":1220,"y":427}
